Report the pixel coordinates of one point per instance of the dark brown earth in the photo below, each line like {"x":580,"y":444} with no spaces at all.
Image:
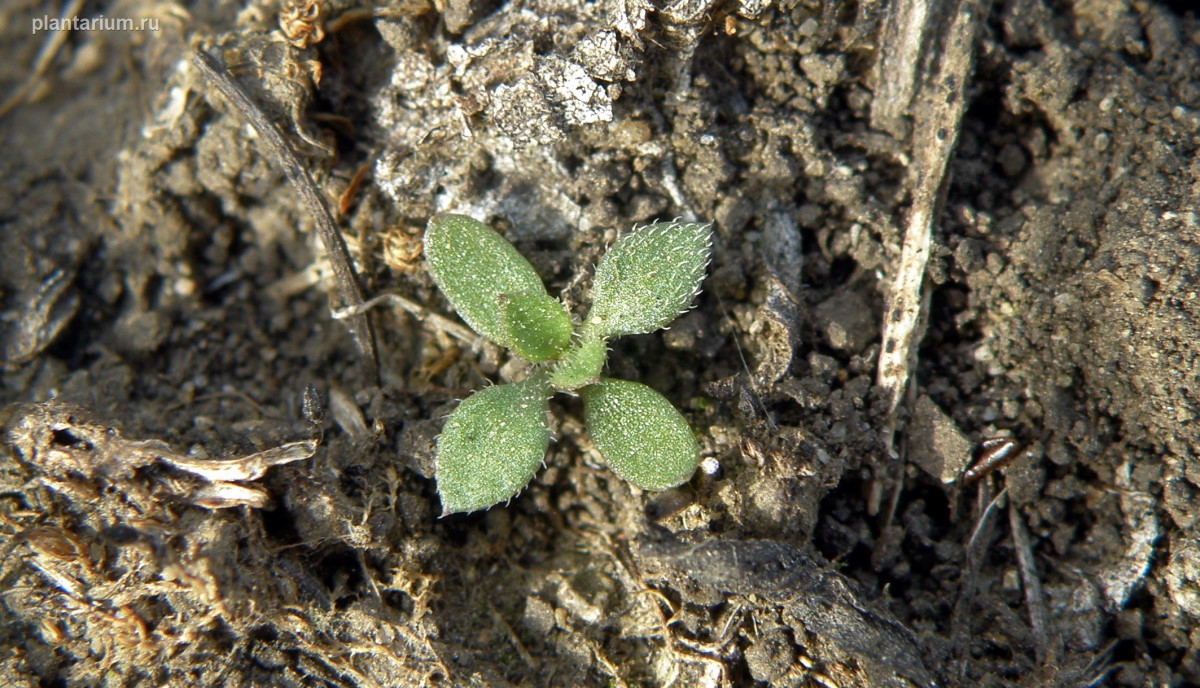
{"x":166,"y":303}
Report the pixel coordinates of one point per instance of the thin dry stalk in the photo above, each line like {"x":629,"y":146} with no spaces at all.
{"x":1035,"y":599}
{"x":349,"y":293}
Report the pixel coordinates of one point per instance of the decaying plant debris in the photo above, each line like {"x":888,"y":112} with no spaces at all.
{"x":169,"y":516}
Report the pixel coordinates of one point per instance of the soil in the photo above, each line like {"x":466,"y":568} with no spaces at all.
{"x":166,"y":304}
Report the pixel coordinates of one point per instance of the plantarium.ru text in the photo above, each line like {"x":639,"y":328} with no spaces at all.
{"x":494,"y":442}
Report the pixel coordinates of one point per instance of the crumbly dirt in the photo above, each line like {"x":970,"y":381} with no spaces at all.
{"x":166,"y":305}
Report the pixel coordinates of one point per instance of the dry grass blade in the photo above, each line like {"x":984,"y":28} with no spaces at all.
{"x":976,"y":548}
{"x":45,"y":56}
{"x":1035,"y":598}
{"x":416,"y":310}
{"x":349,"y":293}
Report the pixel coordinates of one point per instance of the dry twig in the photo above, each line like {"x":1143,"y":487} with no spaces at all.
{"x":938,"y":121}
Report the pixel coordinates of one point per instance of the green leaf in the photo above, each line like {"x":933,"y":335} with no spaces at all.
{"x":492,"y":445}
{"x":536,"y":326}
{"x":642,"y":436}
{"x":581,"y":365}
{"x":648,"y":278}
{"x":473,"y":266}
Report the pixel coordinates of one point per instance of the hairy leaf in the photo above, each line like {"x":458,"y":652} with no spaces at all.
{"x":642,"y":436}
{"x":648,"y":278}
{"x":535,"y":325}
{"x":492,"y":445}
{"x":473,"y":266}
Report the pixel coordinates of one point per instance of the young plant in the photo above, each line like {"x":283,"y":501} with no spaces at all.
{"x":494,"y":442}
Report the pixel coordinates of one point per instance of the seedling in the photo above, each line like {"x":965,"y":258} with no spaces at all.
{"x":494,"y":442}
